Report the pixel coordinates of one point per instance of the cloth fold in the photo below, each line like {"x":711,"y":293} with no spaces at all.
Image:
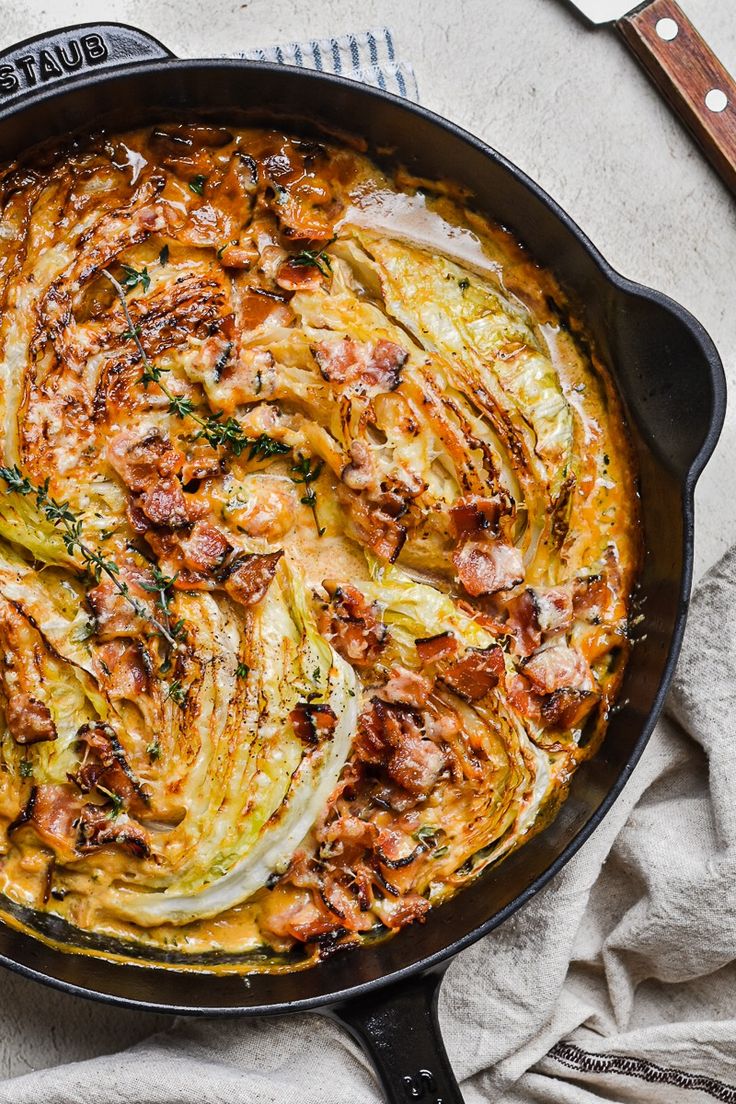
{"x":615,"y":983}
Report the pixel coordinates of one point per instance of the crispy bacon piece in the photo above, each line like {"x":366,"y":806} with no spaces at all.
{"x":558,"y":668}
{"x":473,"y":515}
{"x":299,"y":277}
{"x":164,"y":505}
{"x":127,"y":671}
{"x":115,"y":616}
{"x":205,"y":548}
{"x":29,"y":720}
{"x":431,"y":648}
{"x":523,"y":697}
{"x":96,"y":829}
{"x":485,"y":567}
{"x":381,"y":532}
{"x":406,"y":687}
{"x":104,"y":762}
{"x":250,"y":576}
{"x":568,"y":708}
{"x":148,"y":465}
{"x":377,"y":364}
{"x":411,"y":909}
{"x":523,"y":622}
{"x":390,"y":735}
{"x":313,"y":723}
{"x":594,"y":599}
{"x":352,"y":625}
{"x":141,"y":461}
{"x":536,"y":612}
{"x":476,"y":673}
{"x":51,"y":812}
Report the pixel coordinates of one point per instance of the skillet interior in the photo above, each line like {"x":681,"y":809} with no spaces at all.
{"x":669,"y":376}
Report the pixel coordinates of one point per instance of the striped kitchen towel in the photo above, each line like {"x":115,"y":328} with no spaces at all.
{"x":367,"y":56}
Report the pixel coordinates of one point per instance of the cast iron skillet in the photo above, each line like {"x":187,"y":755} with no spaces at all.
{"x":671,"y":380}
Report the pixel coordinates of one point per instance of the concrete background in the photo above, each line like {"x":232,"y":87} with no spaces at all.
{"x":566,"y":104}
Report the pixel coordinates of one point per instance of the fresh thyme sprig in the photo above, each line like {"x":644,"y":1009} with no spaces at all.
{"x":306,"y":473}
{"x":314,"y":258}
{"x":217,"y":431}
{"x":69,"y":525}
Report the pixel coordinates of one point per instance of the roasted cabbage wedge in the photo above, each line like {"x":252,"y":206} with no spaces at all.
{"x":317,"y":544}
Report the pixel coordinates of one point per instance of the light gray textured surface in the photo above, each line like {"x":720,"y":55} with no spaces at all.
{"x":566,"y":104}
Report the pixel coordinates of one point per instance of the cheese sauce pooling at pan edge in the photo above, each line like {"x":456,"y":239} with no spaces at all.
{"x":318,"y":538}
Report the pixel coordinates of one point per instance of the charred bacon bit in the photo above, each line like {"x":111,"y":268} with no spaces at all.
{"x":431,"y":648}
{"x":476,"y":673}
{"x":352,"y":626}
{"x":407,"y":688}
{"x":129,"y":670}
{"x":594,"y":599}
{"x":411,"y":909}
{"x":51,"y":811}
{"x":206,"y":548}
{"x":96,"y":829}
{"x":29,"y":720}
{"x":382,"y":533}
{"x":104,"y":762}
{"x":558,"y":668}
{"x":568,"y":708}
{"x":143,"y":461}
{"x":114,"y":616}
{"x":473,"y":515}
{"x":164,"y":505}
{"x":538,"y":612}
{"x":523,"y":622}
{"x":485,"y":567}
{"x":523,"y":697}
{"x":390,"y":735}
{"x":377,"y":364}
{"x":299,"y":277}
{"x":249,"y":576}
{"x":313,"y":723}
{"x":554,"y":608}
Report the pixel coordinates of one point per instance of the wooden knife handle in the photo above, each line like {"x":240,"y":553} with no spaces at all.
{"x":691,"y":78}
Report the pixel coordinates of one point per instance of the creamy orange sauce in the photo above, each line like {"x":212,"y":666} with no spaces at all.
{"x":327,"y":593}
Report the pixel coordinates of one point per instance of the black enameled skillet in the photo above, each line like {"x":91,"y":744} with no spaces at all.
{"x":672,"y":383}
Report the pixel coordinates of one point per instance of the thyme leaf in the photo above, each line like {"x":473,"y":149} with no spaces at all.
{"x":305,"y":473}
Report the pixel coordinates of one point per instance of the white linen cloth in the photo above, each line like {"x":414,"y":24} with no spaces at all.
{"x":616,"y":983}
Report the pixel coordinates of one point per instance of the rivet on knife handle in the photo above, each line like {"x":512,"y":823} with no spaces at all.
{"x":691,"y":77}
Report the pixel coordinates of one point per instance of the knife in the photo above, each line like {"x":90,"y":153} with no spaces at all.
{"x":684,"y":68}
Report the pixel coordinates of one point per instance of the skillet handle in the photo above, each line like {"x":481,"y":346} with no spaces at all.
{"x":398,"y":1029}
{"x":693,"y":80}
{"x":59,"y":57}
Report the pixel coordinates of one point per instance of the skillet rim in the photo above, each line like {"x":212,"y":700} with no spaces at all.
{"x":624,"y":287}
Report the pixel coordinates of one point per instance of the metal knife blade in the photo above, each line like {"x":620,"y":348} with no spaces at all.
{"x":598,"y":12}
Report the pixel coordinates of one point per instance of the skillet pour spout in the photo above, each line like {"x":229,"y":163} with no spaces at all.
{"x":672,"y":385}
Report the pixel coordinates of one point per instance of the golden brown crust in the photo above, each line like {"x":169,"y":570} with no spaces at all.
{"x":299,"y":501}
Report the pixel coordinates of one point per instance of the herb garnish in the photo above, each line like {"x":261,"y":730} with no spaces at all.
{"x":62,"y":518}
{"x":197,"y":183}
{"x":26,"y":768}
{"x":163,"y":257}
{"x":177,"y":692}
{"x":115,"y":800}
{"x":242,"y":670}
{"x":154,"y":751}
{"x":132,"y":278}
{"x":216,"y":432}
{"x":307,"y":474}
{"x":262,"y":447}
{"x":316,"y":258}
